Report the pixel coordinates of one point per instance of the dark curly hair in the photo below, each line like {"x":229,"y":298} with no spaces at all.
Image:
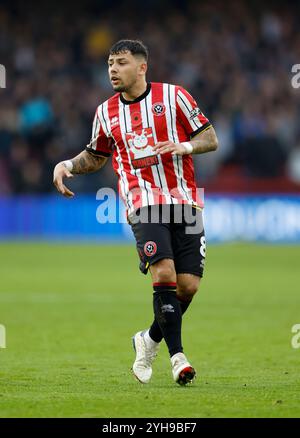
{"x":136,"y":47}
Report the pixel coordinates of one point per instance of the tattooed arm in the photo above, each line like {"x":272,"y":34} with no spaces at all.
{"x":87,"y":162}
{"x":83,"y":163}
{"x":205,"y":141}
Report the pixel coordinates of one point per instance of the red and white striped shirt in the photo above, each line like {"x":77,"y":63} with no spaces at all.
{"x":129,"y":130}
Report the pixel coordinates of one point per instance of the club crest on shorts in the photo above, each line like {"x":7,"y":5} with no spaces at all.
{"x":158,"y":109}
{"x":150,"y":248}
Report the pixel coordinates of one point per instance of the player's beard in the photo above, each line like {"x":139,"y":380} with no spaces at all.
{"x":120,"y":88}
{"x":124,"y":88}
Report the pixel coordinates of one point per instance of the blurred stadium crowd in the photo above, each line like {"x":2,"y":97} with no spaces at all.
{"x":235,"y":58}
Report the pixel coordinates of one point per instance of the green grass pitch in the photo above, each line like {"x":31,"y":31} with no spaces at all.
{"x":70,"y":312}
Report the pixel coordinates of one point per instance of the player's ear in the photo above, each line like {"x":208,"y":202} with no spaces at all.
{"x":143,"y":67}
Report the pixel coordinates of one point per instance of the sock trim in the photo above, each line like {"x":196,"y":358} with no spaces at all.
{"x":164,"y":284}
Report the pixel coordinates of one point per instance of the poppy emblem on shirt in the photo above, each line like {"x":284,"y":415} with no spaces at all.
{"x":136,"y":119}
{"x":158,"y":109}
{"x":150,"y":248}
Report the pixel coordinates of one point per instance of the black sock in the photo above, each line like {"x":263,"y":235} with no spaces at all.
{"x":167,"y":313}
{"x":155,"y":331}
{"x":184,"y":304}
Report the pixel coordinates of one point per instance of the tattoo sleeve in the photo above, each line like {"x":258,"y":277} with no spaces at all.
{"x":206,"y":141}
{"x":85,"y":162}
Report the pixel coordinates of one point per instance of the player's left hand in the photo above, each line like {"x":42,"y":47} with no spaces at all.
{"x":163,"y":147}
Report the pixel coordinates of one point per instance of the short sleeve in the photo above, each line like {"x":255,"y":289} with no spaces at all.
{"x":189,"y":114}
{"x":100,"y":144}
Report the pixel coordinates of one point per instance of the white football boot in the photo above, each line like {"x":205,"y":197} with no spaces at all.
{"x":182,"y":370}
{"x":146,"y":351}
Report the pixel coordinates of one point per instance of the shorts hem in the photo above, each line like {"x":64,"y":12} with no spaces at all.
{"x":145,"y":265}
{"x":199,"y":274}
{"x":152,"y":262}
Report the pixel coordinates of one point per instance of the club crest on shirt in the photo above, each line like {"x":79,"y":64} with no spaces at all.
{"x":158,"y":109}
{"x":150,"y":248}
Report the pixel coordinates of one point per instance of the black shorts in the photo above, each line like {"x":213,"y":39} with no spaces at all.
{"x":172,"y":232}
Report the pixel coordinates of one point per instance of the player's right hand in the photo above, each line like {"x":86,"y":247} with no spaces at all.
{"x":60,"y":172}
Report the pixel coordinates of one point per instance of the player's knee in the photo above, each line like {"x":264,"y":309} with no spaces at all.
{"x":164,"y":271}
{"x":188,"y":289}
{"x":165,"y":275}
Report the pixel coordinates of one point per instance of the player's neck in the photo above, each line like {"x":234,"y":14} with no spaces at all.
{"x":136,"y":91}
